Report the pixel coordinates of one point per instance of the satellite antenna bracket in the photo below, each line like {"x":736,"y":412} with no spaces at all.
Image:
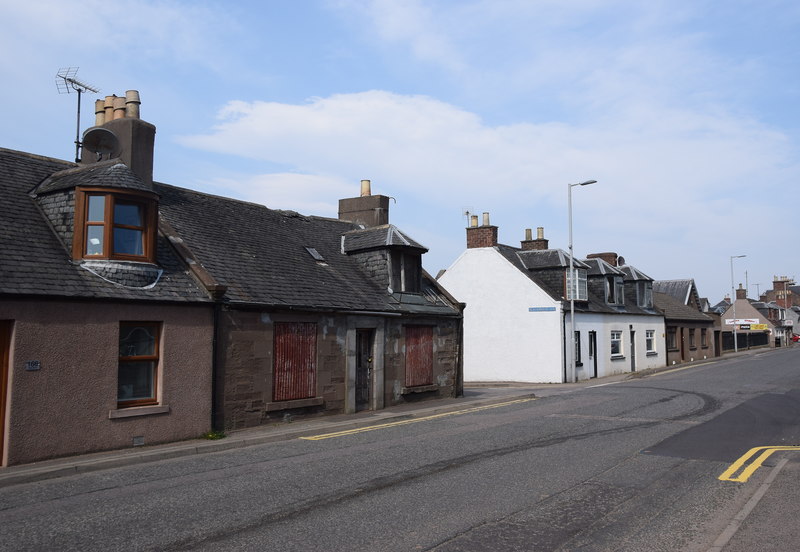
{"x":66,"y":83}
{"x":102,"y":142}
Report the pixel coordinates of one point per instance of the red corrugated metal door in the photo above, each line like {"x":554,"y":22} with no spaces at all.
{"x":295,"y":374}
{"x":419,"y":355}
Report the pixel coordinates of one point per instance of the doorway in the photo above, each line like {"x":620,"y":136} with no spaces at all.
{"x":593,"y":352}
{"x":364,"y":342}
{"x":633,"y":350}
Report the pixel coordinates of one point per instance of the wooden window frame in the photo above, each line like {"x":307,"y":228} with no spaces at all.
{"x":154,"y":358}
{"x":672,"y":339}
{"x":148,"y":202}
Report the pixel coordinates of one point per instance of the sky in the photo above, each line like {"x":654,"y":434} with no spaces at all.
{"x":684,"y":111}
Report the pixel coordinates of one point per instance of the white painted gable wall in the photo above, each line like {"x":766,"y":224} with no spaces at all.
{"x":503,"y":339}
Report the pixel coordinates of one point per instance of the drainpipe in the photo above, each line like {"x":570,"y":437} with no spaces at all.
{"x":216,"y":425}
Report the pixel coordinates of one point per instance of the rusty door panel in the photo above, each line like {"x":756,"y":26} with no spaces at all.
{"x":295,"y":373}
{"x":419,"y":355}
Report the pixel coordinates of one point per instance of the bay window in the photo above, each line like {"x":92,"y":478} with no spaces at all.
{"x":114,"y":225}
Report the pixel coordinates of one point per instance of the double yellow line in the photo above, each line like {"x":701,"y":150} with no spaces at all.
{"x":412,"y":420}
{"x":745,"y":474}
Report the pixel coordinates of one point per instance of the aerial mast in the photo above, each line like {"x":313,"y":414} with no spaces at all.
{"x":66,"y":83}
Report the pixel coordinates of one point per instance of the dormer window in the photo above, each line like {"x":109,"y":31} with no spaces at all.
{"x":115,"y":224}
{"x":406,"y":271}
{"x":582,"y":292}
{"x":644,"y":293}
{"x":615,"y":290}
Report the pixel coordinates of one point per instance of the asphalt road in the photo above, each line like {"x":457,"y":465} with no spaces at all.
{"x":629,"y":466}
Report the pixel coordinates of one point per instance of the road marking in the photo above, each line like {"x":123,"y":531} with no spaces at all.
{"x":413,"y":420}
{"x":739,"y":518}
{"x":745,"y":474}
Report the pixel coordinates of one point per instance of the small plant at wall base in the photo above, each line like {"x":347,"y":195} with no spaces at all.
{"x":213,"y":434}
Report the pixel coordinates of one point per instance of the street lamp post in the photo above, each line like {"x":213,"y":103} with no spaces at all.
{"x":573,"y":287}
{"x":733,"y":302}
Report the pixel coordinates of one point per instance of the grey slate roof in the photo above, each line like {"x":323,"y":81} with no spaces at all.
{"x":34,"y":262}
{"x":679,"y":289}
{"x":106,"y":174}
{"x":378,"y":237}
{"x":632,"y":273}
{"x":598,"y":267}
{"x":535,"y":264}
{"x":548,"y":258}
{"x":675,"y":309}
{"x":261,"y":255}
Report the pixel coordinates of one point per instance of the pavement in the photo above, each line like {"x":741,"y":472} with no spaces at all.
{"x":475,"y":395}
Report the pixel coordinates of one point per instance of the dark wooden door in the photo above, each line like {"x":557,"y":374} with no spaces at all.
{"x":364,"y":339}
{"x":593,"y":352}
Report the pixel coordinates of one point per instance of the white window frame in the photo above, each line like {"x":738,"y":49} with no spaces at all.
{"x":644,"y":293}
{"x":650,"y":341}
{"x":583,"y":290}
{"x":616,"y":337}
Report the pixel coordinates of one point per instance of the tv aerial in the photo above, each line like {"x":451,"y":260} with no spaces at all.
{"x":66,"y":84}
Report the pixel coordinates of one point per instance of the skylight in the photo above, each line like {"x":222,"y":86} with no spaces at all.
{"x":315,"y":254}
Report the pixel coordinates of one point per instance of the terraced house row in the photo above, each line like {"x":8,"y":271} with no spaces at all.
{"x":133,"y":312}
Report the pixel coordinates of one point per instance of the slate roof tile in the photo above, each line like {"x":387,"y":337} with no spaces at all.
{"x":33,"y":261}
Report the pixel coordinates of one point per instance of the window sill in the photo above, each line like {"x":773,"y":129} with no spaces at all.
{"x":134,"y":411}
{"x":617,"y":357}
{"x":418,"y":389}
{"x":296,"y":403}
{"x":652,"y":353}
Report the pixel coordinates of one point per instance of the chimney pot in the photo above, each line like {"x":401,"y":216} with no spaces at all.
{"x":539,"y":244}
{"x":119,"y":108}
{"x":473,"y":221}
{"x":109,"y":108}
{"x":132,"y":103}
{"x":365,"y":188}
{"x":99,"y":112}
{"x":486,"y":219}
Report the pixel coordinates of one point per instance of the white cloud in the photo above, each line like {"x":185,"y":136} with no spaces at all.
{"x":662,"y":171}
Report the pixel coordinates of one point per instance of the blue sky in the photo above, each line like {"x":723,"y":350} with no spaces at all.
{"x":684,"y":111}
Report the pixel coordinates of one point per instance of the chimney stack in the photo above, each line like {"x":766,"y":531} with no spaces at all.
{"x":609,"y":257}
{"x":539,"y":244}
{"x":136,"y":137}
{"x":741,"y":293}
{"x":481,"y":236}
{"x":367,"y":209}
